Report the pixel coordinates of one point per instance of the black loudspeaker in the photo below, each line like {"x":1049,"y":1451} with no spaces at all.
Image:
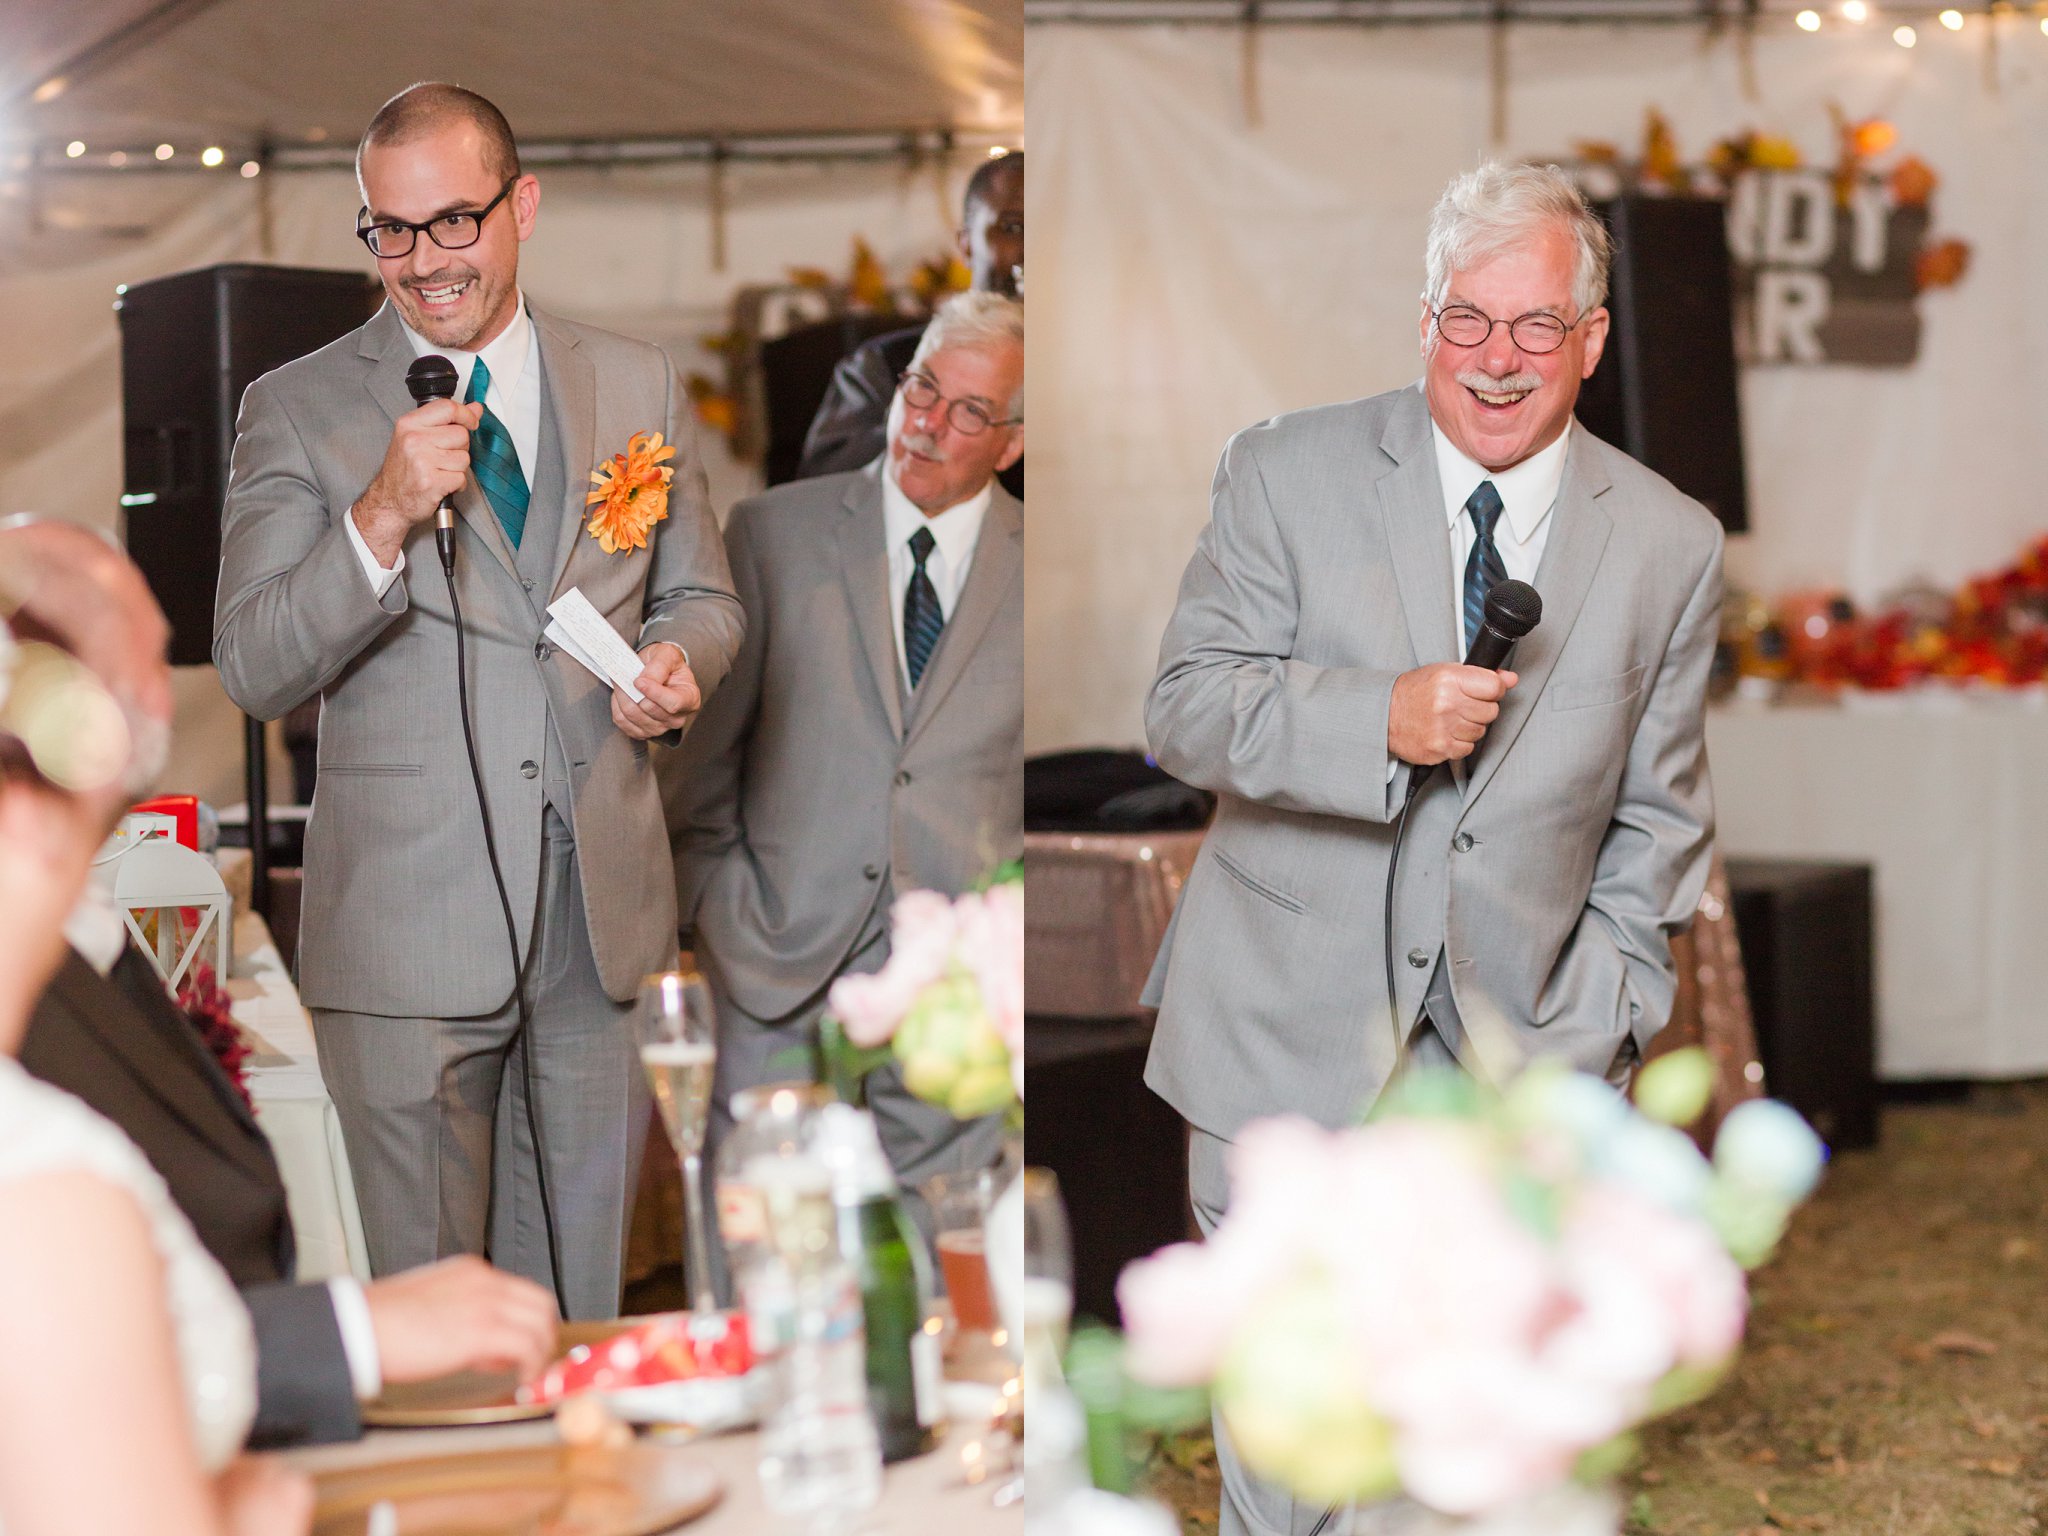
{"x":796,"y":370}
{"x":1805,"y":930}
{"x":190,"y":344}
{"x":1664,"y":392}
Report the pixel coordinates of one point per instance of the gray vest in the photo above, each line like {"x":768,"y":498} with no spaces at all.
{"x":539,"y":542}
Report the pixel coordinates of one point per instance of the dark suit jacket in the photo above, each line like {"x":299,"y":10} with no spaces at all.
{"x":122,"y":1046}
{"x":852,"y":423}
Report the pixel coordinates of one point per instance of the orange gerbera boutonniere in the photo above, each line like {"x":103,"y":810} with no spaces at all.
{"x":632,"y":493}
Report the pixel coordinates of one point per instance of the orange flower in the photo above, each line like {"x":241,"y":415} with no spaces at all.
{"x":631,"y":495}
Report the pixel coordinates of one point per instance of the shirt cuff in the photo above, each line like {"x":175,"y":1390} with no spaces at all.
{"x":380,"y":576}
{"x":358,"y":1335}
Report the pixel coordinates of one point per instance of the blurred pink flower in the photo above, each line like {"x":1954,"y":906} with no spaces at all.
{"x":921,"y":930}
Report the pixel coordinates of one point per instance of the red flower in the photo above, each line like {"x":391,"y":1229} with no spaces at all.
{"x":211,"y":1012}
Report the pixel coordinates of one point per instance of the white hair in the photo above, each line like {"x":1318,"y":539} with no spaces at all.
{"x":979,"y":320}
{"x":1500,"y":206}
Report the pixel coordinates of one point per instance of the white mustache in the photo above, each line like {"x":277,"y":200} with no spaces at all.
{"x":1511,"y":384}
{"x":921,"y":443}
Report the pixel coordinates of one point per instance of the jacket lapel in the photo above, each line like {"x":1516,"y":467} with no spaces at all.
{"x":998,"y":559}
{"x":864,"y":566}
{"x":1579,"y":527}
{"x":1418,"y":536}
{"x":200,"y":1098}
{"x":572,"y":387}
{"x":384,"y":344}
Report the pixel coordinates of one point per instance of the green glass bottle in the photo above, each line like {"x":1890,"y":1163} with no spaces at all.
{"x":887,"y":1252}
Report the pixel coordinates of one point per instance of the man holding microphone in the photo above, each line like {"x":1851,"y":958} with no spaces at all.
{"x":330,"y":587}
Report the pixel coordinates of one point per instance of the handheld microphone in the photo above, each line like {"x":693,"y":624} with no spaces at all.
{"x":1513,"y":608}
{"x":433,"y":378}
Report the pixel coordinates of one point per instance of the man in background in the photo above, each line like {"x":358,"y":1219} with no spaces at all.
{"x":1310,"y":677}
{"x":107,"y":1032}
{"x":869,"y":740}
{"x":430,"y":1026}
{"x":850,"y":427}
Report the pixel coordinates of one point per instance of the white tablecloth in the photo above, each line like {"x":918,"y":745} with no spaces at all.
{"x":1946,"y":796}
{"x":293,"y":1108}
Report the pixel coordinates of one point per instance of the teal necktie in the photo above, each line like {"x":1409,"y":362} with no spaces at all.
{"x":496,"y":461}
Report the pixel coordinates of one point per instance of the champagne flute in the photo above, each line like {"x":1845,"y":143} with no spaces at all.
{"x":678,"y":1049}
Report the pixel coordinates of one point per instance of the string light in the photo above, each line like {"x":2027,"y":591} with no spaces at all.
{"x":1809,"y":21}
{"x":213,"y":155}
{"x":164,"y":151}
{"x":1905,"y":37}
{"x":118,"y":159}
{"x":50,"y":89}
{"x":1953,"y":20}
{"x":2044,"y":26}
{"x":250,"y":168}
{"x":74,"y":149}
{"x":1856,"y":11}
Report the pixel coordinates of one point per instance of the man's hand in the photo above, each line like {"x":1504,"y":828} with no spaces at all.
{"x":672,"y":694}
{"x":1441,"y":711}
{"x":460,"y":1315}
{"x":261,"y":1496}
{"x":423,"y":467}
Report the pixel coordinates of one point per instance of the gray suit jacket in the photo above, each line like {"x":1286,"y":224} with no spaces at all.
{"x":808,"y":786}
{"x":401,"y":917}
{"x":1550,"y":879}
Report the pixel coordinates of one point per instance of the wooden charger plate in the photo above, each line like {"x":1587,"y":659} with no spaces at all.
{"x":476,"y":1397}
{"x":559,"y":1490}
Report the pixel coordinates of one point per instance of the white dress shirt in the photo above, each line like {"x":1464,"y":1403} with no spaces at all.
{"x":96,"y":930}
{"x":1528,"y":491}
{"x":513,"y":358}
{"x":956,"y":530}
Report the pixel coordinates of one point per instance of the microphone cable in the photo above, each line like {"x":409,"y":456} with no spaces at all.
{"x":444,"y":538}
{"x":433,"y":377}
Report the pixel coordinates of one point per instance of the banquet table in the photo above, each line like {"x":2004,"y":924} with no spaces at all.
{"x":292,"y":1106}
{"x":924,"y":1496}
{"x":1942,"y":794}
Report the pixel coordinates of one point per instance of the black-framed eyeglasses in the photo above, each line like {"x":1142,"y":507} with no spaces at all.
{"x":967,"y":417}
{"x":1535,"y":333}
{"x":451,"y":231}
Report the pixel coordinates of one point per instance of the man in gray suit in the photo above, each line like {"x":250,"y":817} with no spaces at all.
{"x":869,"y":739}
{"x":1310,"y":672}
{"x":329,"y":587}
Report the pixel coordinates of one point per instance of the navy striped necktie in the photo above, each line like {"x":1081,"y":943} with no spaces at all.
{"x":922,"y":619}
{"x":496,"y":461}
{"x":1483,"y":568}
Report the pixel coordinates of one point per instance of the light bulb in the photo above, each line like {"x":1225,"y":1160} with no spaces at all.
{"x":1809,"y":21}
{"x":213,"y":155}
{"x":74,"y":149}
{"x":1953,"y":20}
{"x":1905,"y":37}
{"x":1856,"y":11}
{"x":164,"y":151}
{"x":250,"y":168}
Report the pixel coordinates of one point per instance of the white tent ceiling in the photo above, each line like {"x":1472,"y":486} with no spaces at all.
{"x":310,"y":72}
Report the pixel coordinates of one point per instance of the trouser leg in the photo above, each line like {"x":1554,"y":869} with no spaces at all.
{"x":590,"y":1100}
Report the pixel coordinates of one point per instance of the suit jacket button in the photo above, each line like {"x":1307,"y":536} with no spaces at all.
{"x":1418,"y":958}
{"x":1462,"y":842}
{"x":903,"y":777}
{"x":542,"y":650}
{"x":529,"y":769}
{"x":872,"y":871}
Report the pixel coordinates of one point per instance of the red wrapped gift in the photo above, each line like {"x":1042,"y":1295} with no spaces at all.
{"x":676,"y":1346}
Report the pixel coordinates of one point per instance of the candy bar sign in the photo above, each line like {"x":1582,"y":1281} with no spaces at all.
{"x":1821,"y":278}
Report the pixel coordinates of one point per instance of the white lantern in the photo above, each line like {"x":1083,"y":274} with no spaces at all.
{"x":161,"y":877}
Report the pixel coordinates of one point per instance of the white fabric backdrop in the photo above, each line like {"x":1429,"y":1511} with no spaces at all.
{"x":626,"y":249}
{"x":1192,"y":274}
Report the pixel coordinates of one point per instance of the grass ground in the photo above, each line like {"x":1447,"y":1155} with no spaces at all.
{"x":1895,"y":1380}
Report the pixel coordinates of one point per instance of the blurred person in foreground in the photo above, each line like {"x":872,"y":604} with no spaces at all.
{"x":851,"y":427}
{"x":1311,"y":671}
{"x":869,"y":740}
{"x":129,"y":1376}
{"x":106,"y":1031}
{"x":330,"y":588}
